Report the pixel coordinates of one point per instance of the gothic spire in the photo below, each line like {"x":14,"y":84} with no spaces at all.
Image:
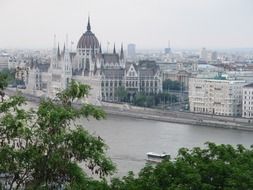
{"x":114,"y":50}
{"x":88,"y":26}
{"x":58,"y":52}
{"x":100,"y":49}
{"x":63,"y":49}
{"x":121,"y":52}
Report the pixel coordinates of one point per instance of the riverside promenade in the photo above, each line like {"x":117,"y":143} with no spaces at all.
{"x":179,"y":117}
{"x":125,"y":110}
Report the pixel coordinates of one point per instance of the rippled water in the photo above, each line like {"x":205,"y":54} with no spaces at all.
{"x":130,"y":139}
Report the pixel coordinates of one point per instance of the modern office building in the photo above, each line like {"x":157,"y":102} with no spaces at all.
{"x":131,"y":51}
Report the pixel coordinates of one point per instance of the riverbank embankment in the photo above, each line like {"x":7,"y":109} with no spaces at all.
{"x":166,"y":115}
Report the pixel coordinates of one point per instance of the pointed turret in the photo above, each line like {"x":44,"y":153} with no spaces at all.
{"x":114,"y":50}
{"x":88,"y":26}
{"x":54,"y":42}
{"x":58,"y":52}
{"x":100,"y":49}
{"x":121,"y":52}
{"x":63,"y":51}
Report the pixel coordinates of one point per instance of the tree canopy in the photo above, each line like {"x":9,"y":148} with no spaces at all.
{"x":172,"y":85}
{"x":215,"y":167}
{"x":44,"y":148}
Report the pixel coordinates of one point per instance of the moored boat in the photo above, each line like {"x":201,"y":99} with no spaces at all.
{"x":155,"y":157}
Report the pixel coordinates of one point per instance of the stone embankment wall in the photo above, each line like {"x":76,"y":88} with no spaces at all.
{"x":166,"y":115}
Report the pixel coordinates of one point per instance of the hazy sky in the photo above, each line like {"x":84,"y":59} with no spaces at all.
{"x":147,"y":23}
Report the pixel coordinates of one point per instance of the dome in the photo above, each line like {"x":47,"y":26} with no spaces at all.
{"x":88,"y":39}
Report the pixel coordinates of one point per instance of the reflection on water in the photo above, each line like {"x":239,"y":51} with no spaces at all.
{"x":130,"y":139}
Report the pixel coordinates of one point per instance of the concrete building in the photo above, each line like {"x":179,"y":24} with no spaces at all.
{"x":181,"y":76}
{"x":4,"y":61}
{"x":168,"y":49}
{"x":203,"y":54}
{"x":208,"y":55}
{"x":131,"y":52}
{"x":216,"y":96}
{"x":247,"y":101}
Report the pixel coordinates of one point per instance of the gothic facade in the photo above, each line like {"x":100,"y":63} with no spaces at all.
{"x":104,"y":72}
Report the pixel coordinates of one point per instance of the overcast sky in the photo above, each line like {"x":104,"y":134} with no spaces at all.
{"x":147,"y":23}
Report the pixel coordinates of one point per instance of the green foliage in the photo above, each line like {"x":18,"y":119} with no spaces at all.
{"x":172,"y":85}
{"x":121,"y":93}
{"x":43,"y":149}
{"x":3,"y":84}
{"x":212,"y":168}
{"x":153,"y":99}
{"x":9,"y":74}
{"x":140,"y":100}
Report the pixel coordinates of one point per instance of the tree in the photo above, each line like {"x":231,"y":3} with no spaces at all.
{"x":140,"y":100}
{"x":121,"y":93}
{"x":212,"y":168}
{"x":10,"y":75}
{"x":43,"y":148}
{"x":3,"y":84}
{"x":172,"y":85}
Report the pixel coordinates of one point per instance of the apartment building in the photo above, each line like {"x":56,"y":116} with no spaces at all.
{"x":247,"y":101}
{"x":216,"y":96}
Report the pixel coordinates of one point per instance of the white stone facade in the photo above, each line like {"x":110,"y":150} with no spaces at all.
{"x":216,"y":96}
{"x":103,"y":72}
{"x":247,"y":102}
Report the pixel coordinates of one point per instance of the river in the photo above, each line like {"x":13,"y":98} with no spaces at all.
{"x":130,"y":139}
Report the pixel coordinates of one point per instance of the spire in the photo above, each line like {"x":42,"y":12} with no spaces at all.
{"x":88,"y":26}
{"x":121,"y":52}
{"x":63,"y":51}
{"x":114,"y":50}
{"x":58,"y":52}
{"x":54,"y":42}
{"x":100,"y":49}
{"x":67,"y":41}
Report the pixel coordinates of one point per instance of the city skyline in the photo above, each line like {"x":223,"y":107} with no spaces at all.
{"x":187,"y":24}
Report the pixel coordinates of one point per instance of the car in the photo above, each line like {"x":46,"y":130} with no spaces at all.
{"x":21,"y":86}
{"x":12,"y":86}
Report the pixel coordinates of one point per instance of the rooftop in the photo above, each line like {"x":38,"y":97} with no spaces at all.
{"x":248,"y":85}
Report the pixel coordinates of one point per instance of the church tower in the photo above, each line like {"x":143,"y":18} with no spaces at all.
{"x":60,"y":71}
{"x":66,"y":66}
{"x":122,"y":58}
{"x":87,"y":50}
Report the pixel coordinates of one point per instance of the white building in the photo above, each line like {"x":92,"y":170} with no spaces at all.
{"x":216,"y":96}
{"x":4,"y":61}
{"x":131,"y":51}
{"x":203,"y":54}
{"x":60,"y":71}
{"x":247,"y":102}
{"x":103,"y":72}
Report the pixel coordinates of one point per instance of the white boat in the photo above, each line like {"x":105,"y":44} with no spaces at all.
{"x":155,"y":157}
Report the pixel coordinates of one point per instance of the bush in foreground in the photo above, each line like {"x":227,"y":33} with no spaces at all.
{"x":212,"y":168}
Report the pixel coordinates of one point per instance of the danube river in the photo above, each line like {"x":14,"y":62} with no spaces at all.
{"x":130,"y":139}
